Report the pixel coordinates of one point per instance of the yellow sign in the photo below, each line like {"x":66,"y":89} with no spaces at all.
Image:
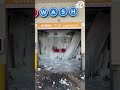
{"x":62,"y":25}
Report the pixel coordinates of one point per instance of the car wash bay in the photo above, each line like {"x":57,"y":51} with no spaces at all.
{"x":20,"y":60}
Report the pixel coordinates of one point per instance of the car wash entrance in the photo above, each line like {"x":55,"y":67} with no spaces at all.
{"x":59,"y":50}
{"x":60,"y":47}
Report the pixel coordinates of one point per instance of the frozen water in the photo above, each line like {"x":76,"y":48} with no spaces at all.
{"x":40,"y":86}
{"x":60,"y":66}
{"x":83,"y":78}
{"x":78,"y":88}
{"x":62,"y":69}
{"x":53,"y":82}
{"x":68,"y":89}
{"x":64,"y":81}
{"x":38,"y":69}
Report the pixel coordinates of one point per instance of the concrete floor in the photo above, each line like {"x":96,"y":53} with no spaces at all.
{"x":46,"y":80}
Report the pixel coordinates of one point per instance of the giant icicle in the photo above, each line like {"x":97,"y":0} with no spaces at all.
{"x":72,"y":46}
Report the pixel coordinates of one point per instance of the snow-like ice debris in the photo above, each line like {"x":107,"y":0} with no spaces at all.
{"x":39,"y":86}
{"x":64,"y":81}
{"x":53,"y":82}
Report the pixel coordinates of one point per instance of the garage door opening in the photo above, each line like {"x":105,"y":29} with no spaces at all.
{"x":59,"y":60}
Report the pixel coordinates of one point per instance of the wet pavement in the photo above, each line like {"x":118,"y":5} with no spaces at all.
{"x":45,"y":80}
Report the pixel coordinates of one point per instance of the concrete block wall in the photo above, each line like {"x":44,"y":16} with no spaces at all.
{"x":115,"y":45}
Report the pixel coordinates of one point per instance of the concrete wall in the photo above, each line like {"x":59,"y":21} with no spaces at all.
{"x":115,"y":45}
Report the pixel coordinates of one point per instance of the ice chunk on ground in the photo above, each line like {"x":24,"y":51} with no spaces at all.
{"x":53,"y":82}
{"x":64,"y":81}
{"x":60,"y":66}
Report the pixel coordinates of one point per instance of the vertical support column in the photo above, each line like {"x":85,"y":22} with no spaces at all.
{"x":83,"y":46}
{"x":115,"y":45}
{"x":3,"y":36}
{"x":36,"y":46}
{"x":2,"y":32}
